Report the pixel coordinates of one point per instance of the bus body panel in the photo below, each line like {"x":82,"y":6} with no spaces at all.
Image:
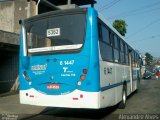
{"x":113,"y":76}
{"x":76,"y":99}
{"x":112,"y":82}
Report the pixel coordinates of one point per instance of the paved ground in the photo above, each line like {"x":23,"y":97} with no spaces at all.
{"x":146,"y":101}
{"x":10,"y":104}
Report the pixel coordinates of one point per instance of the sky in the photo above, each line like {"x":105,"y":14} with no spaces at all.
{"x":142,"y":18}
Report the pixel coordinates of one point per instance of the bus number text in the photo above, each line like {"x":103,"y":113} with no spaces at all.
{"x":53,"y":32}
{"x":71,"y":62}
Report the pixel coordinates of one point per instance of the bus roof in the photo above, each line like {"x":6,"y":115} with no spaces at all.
{"x":77,"y":2}
{"x":54,"y":13}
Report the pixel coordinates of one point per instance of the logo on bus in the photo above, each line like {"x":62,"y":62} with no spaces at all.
{"x":39,"y":67}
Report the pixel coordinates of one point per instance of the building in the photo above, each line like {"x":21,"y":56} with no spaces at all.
{"x":10,"y":13}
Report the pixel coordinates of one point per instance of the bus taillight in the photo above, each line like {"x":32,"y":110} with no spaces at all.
{"x":85,"y":9}
{"x":26,"y":76}
{"x":82,"y":77}
{"x":85,"y":71}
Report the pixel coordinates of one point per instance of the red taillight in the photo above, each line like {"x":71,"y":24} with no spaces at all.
{"x":85,"y":71}
{"x":27,"y":78}
{"x":75,"y":98}
{"x":81,"y":96}
{"x":85,"y":9}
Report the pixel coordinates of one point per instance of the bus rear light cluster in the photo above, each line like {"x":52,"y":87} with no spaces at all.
{"x":26,"y":76}
{"x":82,"y":77}
{"x":84,"y":71}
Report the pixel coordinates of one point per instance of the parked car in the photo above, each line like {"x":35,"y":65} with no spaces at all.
{"x":147,"y":75}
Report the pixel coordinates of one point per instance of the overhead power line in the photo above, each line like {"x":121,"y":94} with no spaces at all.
{"x":147,"y":38}
{"x":145,"y":27}
{"x":140,"y":10}
{"x":108,"y":6}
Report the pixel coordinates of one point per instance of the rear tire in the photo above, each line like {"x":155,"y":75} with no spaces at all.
{"x":122,"y":104}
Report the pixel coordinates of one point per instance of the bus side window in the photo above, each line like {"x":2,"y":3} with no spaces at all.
{"x":100,"y":31}
{"x":111,"y":38}
{"x":133,"y":59}
{"x":122,"y":52}
{"x":126,"y":54}
{"x":136,"y":60}
{"x":105,"y":47}
{"x":116,"y":49}
{"x":105,"y":35}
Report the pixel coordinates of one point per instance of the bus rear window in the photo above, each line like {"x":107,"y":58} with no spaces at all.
{"x":63,"y":32}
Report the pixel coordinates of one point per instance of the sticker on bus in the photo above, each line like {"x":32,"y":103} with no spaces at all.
{"x":53,"y":86}
{"x":53,"y":32}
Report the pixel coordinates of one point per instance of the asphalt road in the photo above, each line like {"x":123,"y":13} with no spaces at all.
{"x":145,"y":102}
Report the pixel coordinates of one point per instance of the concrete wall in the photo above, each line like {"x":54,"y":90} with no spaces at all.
{"x":12,"y":11}
{"x":7,"y":16}
{"x":23,"y":9}
{"x":9,"y":38}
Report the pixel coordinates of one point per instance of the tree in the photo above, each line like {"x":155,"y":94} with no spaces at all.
{"x":148,"y":59}
{"x":120,"y":26}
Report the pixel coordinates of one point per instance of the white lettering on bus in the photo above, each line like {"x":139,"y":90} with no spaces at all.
{"x":67,"y":62}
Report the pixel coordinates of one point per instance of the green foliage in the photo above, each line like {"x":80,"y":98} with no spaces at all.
{"x":148,"y":59}
{"x":120,"y":26}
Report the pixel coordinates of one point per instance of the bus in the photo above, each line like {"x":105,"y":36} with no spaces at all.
{"x":75,"y":59}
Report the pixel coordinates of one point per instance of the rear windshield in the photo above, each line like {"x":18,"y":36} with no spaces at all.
{"x":63,"y":32}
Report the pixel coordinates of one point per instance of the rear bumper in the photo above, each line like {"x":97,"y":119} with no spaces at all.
{"x":76,"y":99}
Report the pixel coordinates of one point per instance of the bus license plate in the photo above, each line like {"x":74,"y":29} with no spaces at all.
{"x":53,"y":86}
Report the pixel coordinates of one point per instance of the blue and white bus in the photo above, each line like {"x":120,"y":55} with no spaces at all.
{"x":75,"y":59}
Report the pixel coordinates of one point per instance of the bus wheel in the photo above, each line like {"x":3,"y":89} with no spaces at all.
{"x":122,"y":104}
